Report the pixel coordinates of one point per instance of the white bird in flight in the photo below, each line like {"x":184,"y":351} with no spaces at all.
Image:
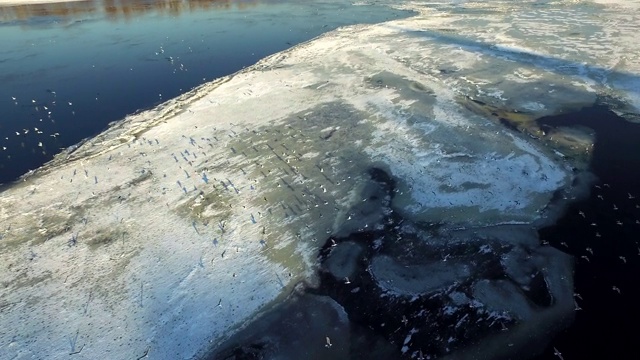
{"x":557,"y":353}
{"x":328,"y":344}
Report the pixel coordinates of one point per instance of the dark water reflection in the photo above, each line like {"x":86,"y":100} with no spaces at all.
{"x":121,"y":9}
{"x":74,"y":67}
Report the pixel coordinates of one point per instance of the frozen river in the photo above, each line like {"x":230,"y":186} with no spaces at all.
{"x":454,"y":179}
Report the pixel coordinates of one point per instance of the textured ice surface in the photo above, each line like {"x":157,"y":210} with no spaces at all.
{"x":176,"y":226}
{"x":557,"y":54}
{"x":489,"y":292}
{"x":415,"y":279}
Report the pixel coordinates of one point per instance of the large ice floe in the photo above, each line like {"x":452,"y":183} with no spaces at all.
{"x":375,"y":190}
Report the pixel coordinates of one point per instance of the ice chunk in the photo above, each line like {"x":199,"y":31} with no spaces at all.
{"x":410,"y":279}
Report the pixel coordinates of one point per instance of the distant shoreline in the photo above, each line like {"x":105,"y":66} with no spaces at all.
{"x":32,"y":2}
{"x":9,"y":3}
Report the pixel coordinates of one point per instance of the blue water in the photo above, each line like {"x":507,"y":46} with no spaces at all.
{"x":93,"y":62}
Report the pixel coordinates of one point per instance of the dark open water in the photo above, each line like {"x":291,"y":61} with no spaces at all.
{"x":608,"y":236}
{"x":75,"y":67}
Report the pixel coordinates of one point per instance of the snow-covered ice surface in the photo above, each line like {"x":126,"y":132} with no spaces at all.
{"x":175,"y":227}
{"x":535,"y":56}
